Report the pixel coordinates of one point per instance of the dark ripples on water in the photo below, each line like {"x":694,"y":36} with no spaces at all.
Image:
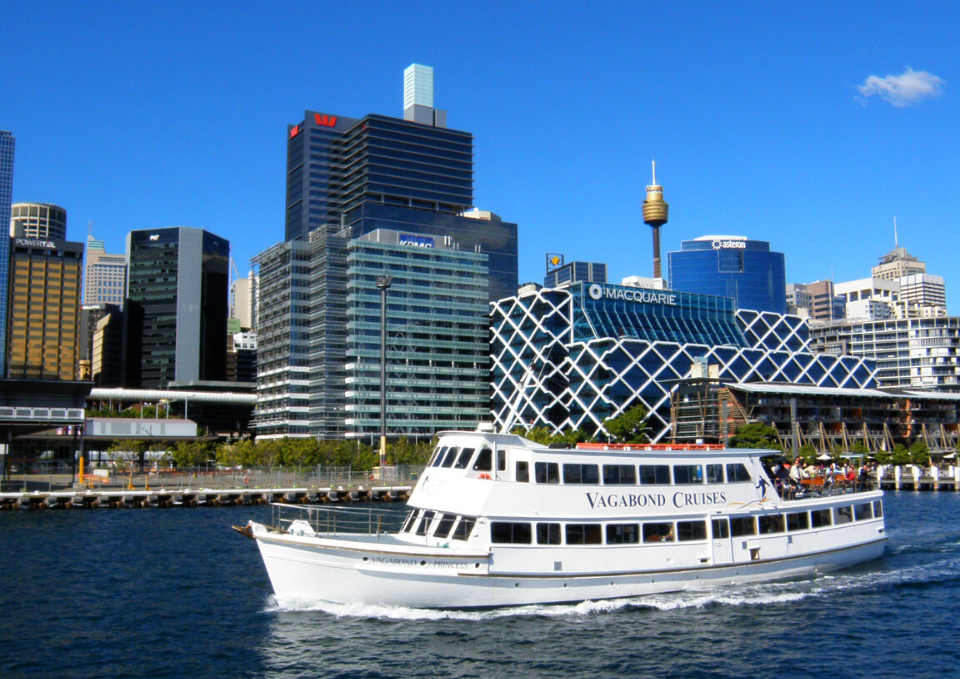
{"x":175,"y":593}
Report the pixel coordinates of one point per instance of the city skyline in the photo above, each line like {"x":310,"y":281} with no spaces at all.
{"x":807,"y":128}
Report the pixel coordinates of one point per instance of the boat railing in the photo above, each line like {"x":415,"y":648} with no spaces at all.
{"x":326,"y":521}
{"x":816,"y":487}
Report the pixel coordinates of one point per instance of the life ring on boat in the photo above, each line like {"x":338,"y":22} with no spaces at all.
{"x":484,"y":476}
{"x":371,"y":477}
{"x":246,"y":479}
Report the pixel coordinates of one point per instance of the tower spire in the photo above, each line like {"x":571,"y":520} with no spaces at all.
{"x":655,"y":212}
{"x":896,"y":243}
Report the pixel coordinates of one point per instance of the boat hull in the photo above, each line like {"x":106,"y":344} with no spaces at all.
{"x":341,"y":571}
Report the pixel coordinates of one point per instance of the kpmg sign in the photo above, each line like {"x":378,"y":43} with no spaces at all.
{"x":416,"y":241}
{"x":637,"y":295}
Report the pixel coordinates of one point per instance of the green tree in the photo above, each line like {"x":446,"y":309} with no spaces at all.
{"x":755,"y":435}
{"x":919,"y":453}
{"x":808,"y":453}
{"x":901,"y":455}
{"x":629,"y":426}
{"x":192,"y":453}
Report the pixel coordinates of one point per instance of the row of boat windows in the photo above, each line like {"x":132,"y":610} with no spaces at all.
{"x":443,"y":526}
{"x":629,"y":475}
{"x":522,"y":533}
{"x":590,"y":474}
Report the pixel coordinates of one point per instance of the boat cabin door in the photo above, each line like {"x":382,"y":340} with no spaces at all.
{"x":721,"y":541}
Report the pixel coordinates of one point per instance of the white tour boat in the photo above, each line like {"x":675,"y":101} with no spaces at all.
{"x":497,"y":520}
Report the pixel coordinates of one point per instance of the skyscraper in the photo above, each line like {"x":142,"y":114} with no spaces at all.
{"x":731,"y":266}
{"x":44,"y":312}
{"x":105,"y":275}
{"x":7,"y":147}
{"x":411,"y":174}
{"x":178,"y":277}
{"x":38,"y":220}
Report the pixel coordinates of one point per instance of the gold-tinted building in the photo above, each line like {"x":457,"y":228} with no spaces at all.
{"x":43,"y":328}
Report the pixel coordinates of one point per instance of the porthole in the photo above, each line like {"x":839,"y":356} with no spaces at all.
{"x":423,"y":563}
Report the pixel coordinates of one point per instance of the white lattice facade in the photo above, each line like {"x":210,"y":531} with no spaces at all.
{"x":574,"y":357}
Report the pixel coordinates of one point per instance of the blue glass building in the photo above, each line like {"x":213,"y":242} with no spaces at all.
{"x":731,"y":266}
{"x":7,"y":147}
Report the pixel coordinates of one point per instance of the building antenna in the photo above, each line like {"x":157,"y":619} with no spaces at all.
{"x":90,"y":229}
{"x":896,"y":243}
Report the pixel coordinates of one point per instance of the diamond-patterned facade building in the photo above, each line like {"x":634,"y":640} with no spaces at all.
{"x":575,"y":356}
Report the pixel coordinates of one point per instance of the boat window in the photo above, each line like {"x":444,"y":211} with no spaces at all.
{"x":464,"y":459}
{"x":687,"y":473}
{"x":425,"y":522}
{"x":452,"y":453}
{"x":409,"y":521}
{"x":842,"y":515}
{"x":863,"y":511}
{"x":586,"y":474}
{"x":691,"y":530}
{"x":721,"y":529}
{"x":771,"y":523}
{"x":654,"y":475}
{"x":742,"y":525}
{"x":547,"y":472}
{"x":619,"y":475}
{"x":820,"y":518}
{"x":464,"y":528}
{"x":877,"y":508}
{"x":484,"y":461}
{"x":504,"y":532}
{"x":548,"y":533}
{"x":523,"y":471}
{"x":737,"y":473}
{"x":714,"y":473}
{"x":798,"y":521}
{"x":437,"y":456}
{"x":501,"y":460}
{"x":583,"y":534}
{"x":444,"y":526}
{"x":623,"y":533}
{"x":658,"y":532}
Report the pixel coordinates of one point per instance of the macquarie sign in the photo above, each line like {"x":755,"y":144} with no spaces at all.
{"x":637,"y":295}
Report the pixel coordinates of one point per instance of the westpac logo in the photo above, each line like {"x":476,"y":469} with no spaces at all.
{"x":294,"y":131}
{"x":155,"y":236}
{"x":325,"y":121}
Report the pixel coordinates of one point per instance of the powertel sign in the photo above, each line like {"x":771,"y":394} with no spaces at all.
{"x":638,"y":295}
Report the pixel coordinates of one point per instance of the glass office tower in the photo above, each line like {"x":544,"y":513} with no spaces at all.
{"x":411,"y":174}
{"x":731,"y":266}
{"x":7,"y":147}
{"x":178,"y":277}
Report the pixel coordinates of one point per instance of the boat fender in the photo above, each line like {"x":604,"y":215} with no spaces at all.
{"x":485,"y":476}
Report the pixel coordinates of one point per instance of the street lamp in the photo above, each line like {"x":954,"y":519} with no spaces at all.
{"x":383,"y":282}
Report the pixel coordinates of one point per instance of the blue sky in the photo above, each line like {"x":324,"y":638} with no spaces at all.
{"x":763,"y":118}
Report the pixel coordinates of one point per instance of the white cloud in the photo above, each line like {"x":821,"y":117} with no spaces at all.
{"x":902,"y":90}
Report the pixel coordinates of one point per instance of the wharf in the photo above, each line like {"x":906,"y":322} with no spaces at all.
{"x":924,"y":483}
{"x":199,"y":497}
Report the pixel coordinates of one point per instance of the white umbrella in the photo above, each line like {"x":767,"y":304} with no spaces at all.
{"x":824,"y":457}
{"x":950,"y":456}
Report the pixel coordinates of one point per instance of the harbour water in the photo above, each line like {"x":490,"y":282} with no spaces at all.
{"x":175,"y":593}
